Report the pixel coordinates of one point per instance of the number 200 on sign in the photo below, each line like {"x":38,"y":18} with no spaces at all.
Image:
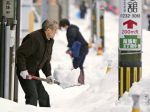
{"x":129,"y":31}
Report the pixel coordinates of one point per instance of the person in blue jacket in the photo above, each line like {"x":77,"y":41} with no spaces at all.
{"x":83,"y":10}
{"x":78,"y":47}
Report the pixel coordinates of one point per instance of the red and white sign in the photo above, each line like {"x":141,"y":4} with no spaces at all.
{"x":130,"y":24}
{"x":130,"y":16}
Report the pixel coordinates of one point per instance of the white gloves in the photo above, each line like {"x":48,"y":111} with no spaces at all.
{"x":49,"y":80}
{"x":25,"y":75}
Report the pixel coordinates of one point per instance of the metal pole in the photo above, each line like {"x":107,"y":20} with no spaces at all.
{"x":52,"y":7}
{"x":7,"y":48}
{"x":130,"y":44}
{"x":102,"y":29}
{"x":7,"y":56}
{"x":93,"y":23}
{"x":91,"y":40}
{"x":64,"y":12}
{"x":12,"y":59}
{"x":18,"y":5}
{"x":2,"y":55}
{"x":1,"y":72}
{"x":98,"y":18}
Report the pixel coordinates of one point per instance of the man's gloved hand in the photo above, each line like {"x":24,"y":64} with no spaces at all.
{"x":69,"y":52}
{"x":49,"y":80}
{"x":25,"y":75}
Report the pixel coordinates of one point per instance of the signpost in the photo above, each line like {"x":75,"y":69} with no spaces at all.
{"x":130,"y":46}
{"x":8,"y":23}
{"x":130,"y":25}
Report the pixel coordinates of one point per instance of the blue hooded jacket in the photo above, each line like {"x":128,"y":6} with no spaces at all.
{"x":76,"y":41}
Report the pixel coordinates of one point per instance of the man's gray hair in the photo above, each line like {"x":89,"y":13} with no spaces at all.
{"x":49,"y":23}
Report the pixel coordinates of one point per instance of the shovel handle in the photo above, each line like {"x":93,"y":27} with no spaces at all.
{"x":43,"y":79}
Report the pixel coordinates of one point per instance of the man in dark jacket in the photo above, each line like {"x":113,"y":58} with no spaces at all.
{"x":35,"y":54}
{"x":75,"y":36}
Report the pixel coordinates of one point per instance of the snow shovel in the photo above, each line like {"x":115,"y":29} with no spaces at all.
{"x":64,"y":86}
{"x":45,"y":80}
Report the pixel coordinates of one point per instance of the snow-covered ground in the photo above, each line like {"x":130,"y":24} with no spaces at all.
{"x":100,"y":92}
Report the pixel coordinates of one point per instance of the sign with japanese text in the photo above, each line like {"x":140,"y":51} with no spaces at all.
{"x":8,"y":8}
{"x":130,"y":26}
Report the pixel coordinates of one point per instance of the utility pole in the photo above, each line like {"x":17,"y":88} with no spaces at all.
{"x":50,"y":10}
{"x":91,"y":39}
{"x":93,"y":23}
{"x":2,"y":40}
{"x":130,"y":44}
{"x":100,"y":26}
{"x":64,"y":8}
{"x":8,"y":25}
{"x":18,"y":5}
{"x":53,"y":6}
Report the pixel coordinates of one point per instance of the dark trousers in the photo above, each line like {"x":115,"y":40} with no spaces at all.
{"x":34,"y":92}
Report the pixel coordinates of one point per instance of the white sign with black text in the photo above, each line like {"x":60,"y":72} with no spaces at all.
{"x":130,"y":24}
{"x":8,"y":8}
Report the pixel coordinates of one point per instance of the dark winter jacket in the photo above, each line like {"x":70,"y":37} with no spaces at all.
{"x":35,"y":53}
{"x":73,"y":34}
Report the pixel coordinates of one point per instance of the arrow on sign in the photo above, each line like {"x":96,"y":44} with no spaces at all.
{"x":130,"y":24}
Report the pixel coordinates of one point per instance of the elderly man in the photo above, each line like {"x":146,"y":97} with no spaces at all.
{"x":35,"y":54}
